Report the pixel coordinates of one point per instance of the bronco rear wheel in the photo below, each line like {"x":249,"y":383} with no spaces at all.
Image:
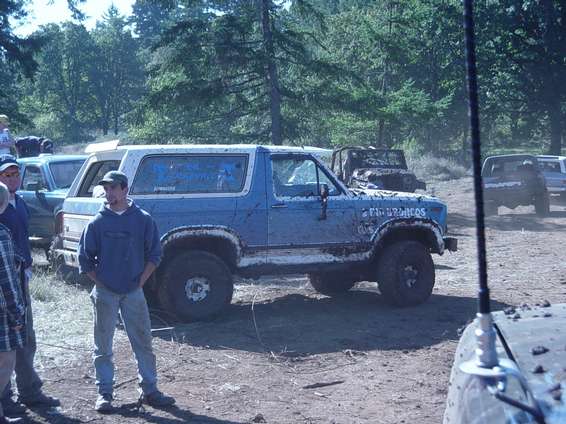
{"x":195,"y":286}
{"x":405,"y":273}
{"x":331,"y":284}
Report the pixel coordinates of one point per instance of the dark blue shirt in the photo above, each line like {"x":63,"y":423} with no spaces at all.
{"x":16,"y":219}
{"x":118,"y":247}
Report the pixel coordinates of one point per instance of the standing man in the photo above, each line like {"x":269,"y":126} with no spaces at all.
{"x":15,"y":217}
{"x":6,"y":140}
{"x":12,"y":305}
{"x":119,"y":249}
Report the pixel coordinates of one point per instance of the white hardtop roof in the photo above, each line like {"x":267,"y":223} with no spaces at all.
{"x":551,"y":157}
{"x":243,"y":148}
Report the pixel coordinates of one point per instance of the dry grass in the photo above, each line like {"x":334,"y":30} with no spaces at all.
{"x":62,"y":320}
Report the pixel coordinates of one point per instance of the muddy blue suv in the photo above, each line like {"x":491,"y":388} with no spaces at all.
{"x":256,"y":210}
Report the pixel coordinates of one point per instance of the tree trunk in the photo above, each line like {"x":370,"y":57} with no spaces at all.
{"x":272,"y":80}
{"x":553,"y":81}
{"x":465,"y":144}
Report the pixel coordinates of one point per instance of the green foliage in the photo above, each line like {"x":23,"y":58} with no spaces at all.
{"x":305,"y":72}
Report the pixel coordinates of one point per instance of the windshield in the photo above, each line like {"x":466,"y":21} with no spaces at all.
{"x":377,"y":159}
{"x":64,"y":172}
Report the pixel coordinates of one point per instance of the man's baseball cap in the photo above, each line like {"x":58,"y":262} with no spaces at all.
{"x":7,"y":161}
{"x":4,"y":120}
{"x":114,"y":177}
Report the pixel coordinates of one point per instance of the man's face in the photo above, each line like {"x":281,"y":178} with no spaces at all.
{"x":11,"y":177}
{"x":115,"y":194}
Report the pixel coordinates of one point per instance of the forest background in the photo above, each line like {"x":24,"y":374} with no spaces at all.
{"x":386,"y":73}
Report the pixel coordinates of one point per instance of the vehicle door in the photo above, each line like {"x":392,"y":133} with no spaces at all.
{"x":295,"y":210}
{"x":553,"y":175}
{"x":35,"y":191}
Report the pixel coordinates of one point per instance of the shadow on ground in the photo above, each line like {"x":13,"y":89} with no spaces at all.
{"x":301,"y":325}
{"x":175,"y":416}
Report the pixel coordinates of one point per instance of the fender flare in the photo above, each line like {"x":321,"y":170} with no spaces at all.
{"x":211,"y":231}
{"x":429,"y":226}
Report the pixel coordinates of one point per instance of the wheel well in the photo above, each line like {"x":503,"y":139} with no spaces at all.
{"x":219,"y":246}
{"x":422,"y":235}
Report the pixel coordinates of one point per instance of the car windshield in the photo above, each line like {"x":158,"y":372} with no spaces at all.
{"x":64,"y":172}
{"x":378,"y":159}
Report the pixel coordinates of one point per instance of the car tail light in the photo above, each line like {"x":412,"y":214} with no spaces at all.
{"x":59,"y":222}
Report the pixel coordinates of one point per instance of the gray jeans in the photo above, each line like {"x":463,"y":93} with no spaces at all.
{"x":7,"y":363}
{"x":135,"y":316}
{"x":28,"y":382}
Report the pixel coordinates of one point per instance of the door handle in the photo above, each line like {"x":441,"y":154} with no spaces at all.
{"x":278,"y":206}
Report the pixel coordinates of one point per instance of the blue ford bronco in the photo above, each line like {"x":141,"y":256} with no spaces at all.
{"x":251,"y":210}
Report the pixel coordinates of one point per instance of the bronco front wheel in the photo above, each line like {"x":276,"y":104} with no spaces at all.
{"x":405,"y":273}
{"x":195,"y":286}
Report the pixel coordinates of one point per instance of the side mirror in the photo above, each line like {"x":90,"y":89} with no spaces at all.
{"x":324,"y":192}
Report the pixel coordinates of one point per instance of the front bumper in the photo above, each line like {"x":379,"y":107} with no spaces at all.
{"x":450,"y":244}
{"x":70,"y":257}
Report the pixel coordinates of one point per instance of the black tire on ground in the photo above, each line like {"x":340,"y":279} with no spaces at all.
{"x":331,"y":284}
{"x":542,"y":204}
{"x":405,"y":273}
{"x":56,"y":243}
{"x":195,"y":286}
{"x":66,"y":273}
{"x":490,"y":208}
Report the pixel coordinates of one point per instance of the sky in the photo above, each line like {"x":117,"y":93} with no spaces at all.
{"x":47,"y":11}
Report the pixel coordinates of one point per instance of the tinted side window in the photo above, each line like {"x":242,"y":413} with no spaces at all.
{"x":32,"y":176}
{"x":186,"y":174}
{"x":299,"y":177}
{"x":550,"y":166}
{"x":64,"y":172}
{"x":94,"y":174}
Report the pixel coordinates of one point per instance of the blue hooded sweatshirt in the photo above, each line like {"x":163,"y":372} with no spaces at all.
{"x":117,"y":247}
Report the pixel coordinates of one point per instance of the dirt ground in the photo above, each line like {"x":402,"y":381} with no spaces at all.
{"x":285,"y":354}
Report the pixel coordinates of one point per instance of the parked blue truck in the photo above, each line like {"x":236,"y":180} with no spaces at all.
{"x":45,"y":181}
{"x":256,"y":210}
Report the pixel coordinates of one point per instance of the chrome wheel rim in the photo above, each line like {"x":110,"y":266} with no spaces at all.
{"x":197,"y":289}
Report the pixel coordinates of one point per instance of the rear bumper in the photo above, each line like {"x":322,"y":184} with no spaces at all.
{"x":450,"y":244}
{"x":40,"y":241}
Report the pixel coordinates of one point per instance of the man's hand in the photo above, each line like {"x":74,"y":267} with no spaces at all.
{"x":92,"y":276}
{"x":147,"y":271}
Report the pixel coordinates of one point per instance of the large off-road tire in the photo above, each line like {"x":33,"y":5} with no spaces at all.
{"x":331,"y":284}
{"x":195,"y":286}
{"x":542,"y":204}
{"x":405,"y":273}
